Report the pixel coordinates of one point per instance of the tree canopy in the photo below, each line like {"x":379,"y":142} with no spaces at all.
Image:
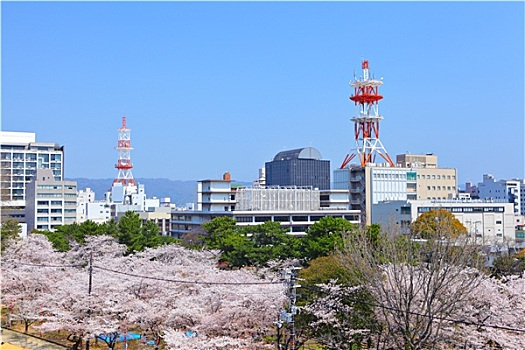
{"x":129,"y":231}
{"x":437,"y":223}
{"x":324,"y":236}
{"x":10,"y":230}
{"x":250,"y":245}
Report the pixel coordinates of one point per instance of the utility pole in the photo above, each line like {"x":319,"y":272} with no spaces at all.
{"x":90,"y":283}
{"x":287,"y":316}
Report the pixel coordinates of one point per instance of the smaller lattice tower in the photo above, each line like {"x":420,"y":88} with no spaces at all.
{"x":124,"y":165}
{"x":366,"y":124}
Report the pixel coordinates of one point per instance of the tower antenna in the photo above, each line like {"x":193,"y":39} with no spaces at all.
{"x":124,"y":165}
{"x":366,"y":123}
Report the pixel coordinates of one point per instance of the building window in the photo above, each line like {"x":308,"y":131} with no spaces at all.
{"x":263,"y":218}
{"x":245,"y":219}
{"x":411,"y":175}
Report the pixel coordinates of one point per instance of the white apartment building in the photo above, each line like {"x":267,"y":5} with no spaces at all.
{"x":216,"y":195}
{"x":90,"y":209}
{"x":50,"y":202}
{"x":20,"y":157}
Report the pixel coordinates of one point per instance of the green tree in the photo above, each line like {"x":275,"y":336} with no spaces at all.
{"x":322,"y":270}
{"x":129,"y":227}
{"x":270,"y":242}
{"x":251,"y":245}
{"x":327,"y":270}
{"x":136,"y":235}
{"x":507,"y":265}
{"x":109,"y":228}
{"x":437,"y":223}
{"x":10,"y":229}
{"x":59,"y":241}
{"x":217,"y":229}
{"x":324,"y":236}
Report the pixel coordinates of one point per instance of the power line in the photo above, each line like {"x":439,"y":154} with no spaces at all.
{"x":183,"y":281}
{"x":154,"y":278}
{"x":48,"y":265}
{"x":468,"y":323}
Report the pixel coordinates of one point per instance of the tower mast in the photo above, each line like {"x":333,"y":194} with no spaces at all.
{"x":366,"y":124}
{"x":124,"y":165}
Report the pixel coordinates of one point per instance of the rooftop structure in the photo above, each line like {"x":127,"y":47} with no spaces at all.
{"x":298,"y":167}
{"x":278,"y":198}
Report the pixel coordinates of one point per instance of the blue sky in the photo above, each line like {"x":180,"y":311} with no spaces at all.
{"x":210,"y":87}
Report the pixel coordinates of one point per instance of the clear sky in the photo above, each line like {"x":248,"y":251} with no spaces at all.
{"x":210,"y":87}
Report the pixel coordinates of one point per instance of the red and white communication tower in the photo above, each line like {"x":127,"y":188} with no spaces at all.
{"x":124,"y":165}
{"x":366,"y":124}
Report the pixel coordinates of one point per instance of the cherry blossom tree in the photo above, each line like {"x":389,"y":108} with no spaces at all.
{"x":95,"y":289}
{"x":29,"y":270}
{"x":89,"y":301}
{"x":202,"y":298}
{"x":493,"y":316}
{"x":416,"y":284}
{"x":338,"y":321}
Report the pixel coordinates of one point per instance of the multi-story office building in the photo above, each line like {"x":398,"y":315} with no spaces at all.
{"x":21,"y":156}
{"x":416,"y":177}
{"x":50,"y":202}
{"x":486,"y":221}
{"x":511,"y":191}
{"x":371,"y":184}
{"x":295,"y":208}
{"x":298,"y":167}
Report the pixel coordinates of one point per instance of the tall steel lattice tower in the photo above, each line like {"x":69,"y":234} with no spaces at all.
{"x":366,"y":124}
{"x":124,"y":165}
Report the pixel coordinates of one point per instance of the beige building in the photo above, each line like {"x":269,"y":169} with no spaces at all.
{"x":50,"y":203}
{"x":432,"y":182}
{"x":161,"y":217}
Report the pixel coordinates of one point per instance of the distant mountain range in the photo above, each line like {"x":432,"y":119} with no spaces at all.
{"x":180,"y":192}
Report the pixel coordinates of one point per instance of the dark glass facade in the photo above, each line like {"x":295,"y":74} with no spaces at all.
{"x":298,"y":172}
